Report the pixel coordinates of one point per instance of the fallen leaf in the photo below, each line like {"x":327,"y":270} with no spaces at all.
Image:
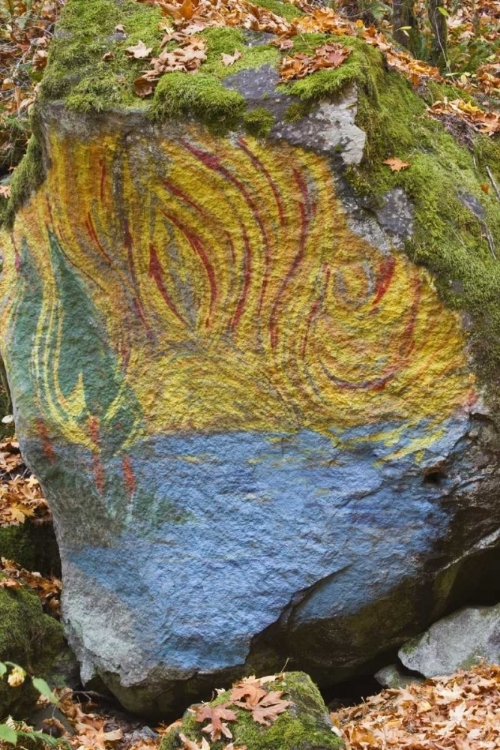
{"x":139,"y":51}
{"x":231,"y":59}
{"x":143,"y":87}
{"x":396,"y":164}
{"x":216,"y":715}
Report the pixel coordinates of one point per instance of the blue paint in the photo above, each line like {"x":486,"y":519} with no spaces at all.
{"x":234,"y":525}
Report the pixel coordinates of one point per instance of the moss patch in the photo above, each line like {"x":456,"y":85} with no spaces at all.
{"x":180,"y":95}
{"x":29,"y":638}
{"x":33,"y":546}
{"x":87,"y":31}
{"x":305,"y":725}
{"x":259,"y":122}
{"x":288,"y":11}
{"x":326,"y":83}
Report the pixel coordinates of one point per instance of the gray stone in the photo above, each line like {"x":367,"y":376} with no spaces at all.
{"x":395,"y":676}
{"x":456,"y":642}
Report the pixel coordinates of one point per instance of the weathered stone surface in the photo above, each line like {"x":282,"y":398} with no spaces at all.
{"x":305,"y":725}
{"x":395,"y":676}
{"x":260,"y":430}
{"x":456,"y":642}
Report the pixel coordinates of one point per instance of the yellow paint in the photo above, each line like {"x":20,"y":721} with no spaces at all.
{"x":235,"y":294}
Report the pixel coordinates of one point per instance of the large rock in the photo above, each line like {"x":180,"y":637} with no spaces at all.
{"x":265,"y":432}
{"x":458,"y":641}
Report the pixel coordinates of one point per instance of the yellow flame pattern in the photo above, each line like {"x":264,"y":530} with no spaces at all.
{"x":235,"y":294}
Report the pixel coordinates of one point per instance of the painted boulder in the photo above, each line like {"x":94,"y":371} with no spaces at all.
{"x":259,"y":423}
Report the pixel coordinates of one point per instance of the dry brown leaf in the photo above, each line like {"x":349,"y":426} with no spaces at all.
{"x":139,"y":51}
{"x":217,"y":716}
{"x":231,"y":59}
{"x":396,"y":164}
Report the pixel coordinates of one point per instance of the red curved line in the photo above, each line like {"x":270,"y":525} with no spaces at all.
{"x":93,"y":236}
{"x":313,"y":313}
{"x":103,"y":177}
{"x":384,"y":278}
{"x":211,"y":161}
{"x":277,"y":197}
{"x":197,"y":246}
{"x":304,"y":223}
{"x":247,"y":276}
{"x":137,"y":302}
{"x":156,"y":273}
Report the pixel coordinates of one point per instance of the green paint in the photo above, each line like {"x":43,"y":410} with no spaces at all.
{"x":302,"y":727}
{"x":77,"y":344}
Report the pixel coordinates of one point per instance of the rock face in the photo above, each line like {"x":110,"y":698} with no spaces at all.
{"x":260,"y":429}
{"x":456,"y":642}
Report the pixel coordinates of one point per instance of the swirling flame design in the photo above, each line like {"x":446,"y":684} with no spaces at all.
{"x":233,"y":293}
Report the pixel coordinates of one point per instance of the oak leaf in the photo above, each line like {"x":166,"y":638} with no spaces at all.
{"x":216,"y":715}
{"x":231,"y":59}
{"x":269,"y":708}
{"x":139,"y":51}
{"x":396,"y":164}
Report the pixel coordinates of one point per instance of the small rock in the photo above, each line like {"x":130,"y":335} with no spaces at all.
{"x":456,"y":642}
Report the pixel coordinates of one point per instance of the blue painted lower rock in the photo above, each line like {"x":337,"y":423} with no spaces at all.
{"x":253,"y":368}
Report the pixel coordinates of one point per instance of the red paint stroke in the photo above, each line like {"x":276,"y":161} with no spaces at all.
{"x":48,"y":448}
{"x":212,"y":162}
{"x":279,"y":203}
{"x":304,"y":224}
{"x":98,"y":470}
{"x":312,"y":315}
{"x":130,"y":257}
{"x":198,"y":248}
{"x":128,"y":475}
{"x":103,"y":177}
{"x":387,"y":269}
{"x":93,"y":236}
{"x":156,"y":273}
{"x":247,"y":276}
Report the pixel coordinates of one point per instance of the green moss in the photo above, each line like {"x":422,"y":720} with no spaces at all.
{"x":202,"y":96}
{"x":27,"y":178}
{"x":33,"y":546}
{"x":286,"y":10}
{"x":226,"y":41}
{"x":259,"y":122}
{"x":86,"y":31}
{"x":328,"y":82}
{"x":448,"y":238}
{"x":304,"y":725}
{"x":29,"y":638}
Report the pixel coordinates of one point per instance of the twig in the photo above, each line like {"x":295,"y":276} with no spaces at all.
{"x":493,"y":182}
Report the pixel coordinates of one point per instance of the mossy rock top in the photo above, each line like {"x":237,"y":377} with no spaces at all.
{"x":304,"y":725}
